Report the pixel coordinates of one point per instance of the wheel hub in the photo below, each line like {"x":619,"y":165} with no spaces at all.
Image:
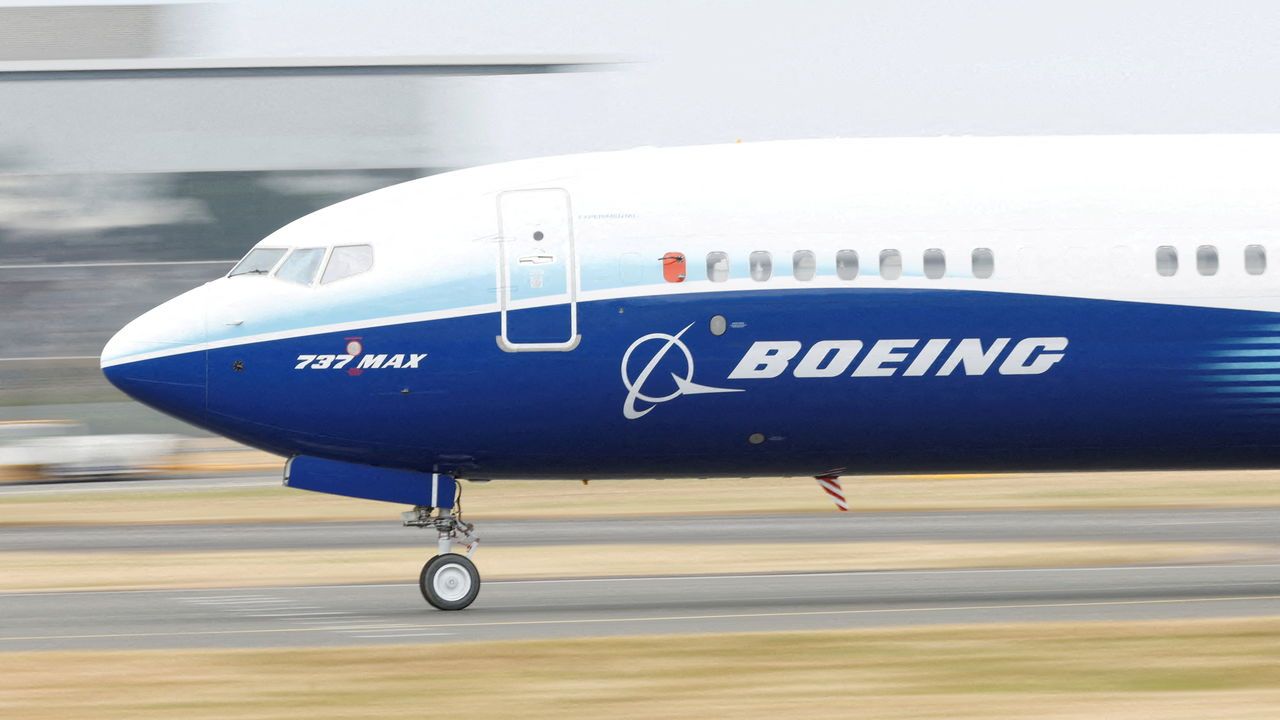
{"x":452,"y":582}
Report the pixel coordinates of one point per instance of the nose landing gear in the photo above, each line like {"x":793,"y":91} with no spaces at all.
{"x":449,"y":581}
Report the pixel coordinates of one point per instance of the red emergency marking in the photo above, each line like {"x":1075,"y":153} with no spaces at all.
{"x":830,"y":484}
{"x":674,"y":267}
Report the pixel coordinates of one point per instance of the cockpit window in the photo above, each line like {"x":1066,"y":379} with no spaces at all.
{"x":348,"y":260}
{"x":302,"y":266}
{"x":259,"y":261}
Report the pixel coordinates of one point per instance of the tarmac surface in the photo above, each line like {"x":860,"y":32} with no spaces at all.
{"x":342,"y":615}
{"x":1229,"y":525}
{"x":357,"y":614}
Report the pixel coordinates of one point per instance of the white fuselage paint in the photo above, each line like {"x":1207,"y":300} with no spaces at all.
{"x":1076,"y":217}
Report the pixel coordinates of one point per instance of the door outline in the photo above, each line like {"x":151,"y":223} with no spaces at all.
{"x":505,"y":251}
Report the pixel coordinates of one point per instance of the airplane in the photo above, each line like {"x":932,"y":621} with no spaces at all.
{"x":780,"y":309}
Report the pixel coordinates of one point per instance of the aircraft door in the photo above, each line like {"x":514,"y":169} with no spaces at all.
{"x":537,"y":283}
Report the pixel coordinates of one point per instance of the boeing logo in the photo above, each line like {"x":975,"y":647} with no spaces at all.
{"x":913,"y":357}
{"x":661,"y":344}
{"x":906,"y":357}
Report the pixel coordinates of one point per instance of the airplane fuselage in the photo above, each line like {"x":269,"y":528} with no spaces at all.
{"x":883,"y":306}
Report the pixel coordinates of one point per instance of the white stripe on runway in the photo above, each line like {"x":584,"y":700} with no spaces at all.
{"x":652,"y":578}
{"x":663,"y":618}
{"x":400,"y":635}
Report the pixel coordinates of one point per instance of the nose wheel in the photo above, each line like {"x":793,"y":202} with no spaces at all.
{"x":449,"y":581}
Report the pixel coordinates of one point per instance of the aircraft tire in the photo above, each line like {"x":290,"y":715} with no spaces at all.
{"x":449,"y":582}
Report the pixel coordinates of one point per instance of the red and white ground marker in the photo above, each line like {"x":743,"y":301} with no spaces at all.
{"x":830,"y":484}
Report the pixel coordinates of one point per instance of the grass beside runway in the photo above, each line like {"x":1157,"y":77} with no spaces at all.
{"x":1170,"y":670}
{"x":570,"y":498}
{"x":45,"y":571}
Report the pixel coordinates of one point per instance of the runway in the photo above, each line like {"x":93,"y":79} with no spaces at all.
{"x":372,"y":614}
{"x":336,"y":615}
{"x":1231,"y":525}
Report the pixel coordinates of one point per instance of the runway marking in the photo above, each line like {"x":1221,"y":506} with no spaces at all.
{"x":760,"y":576}
{"x":665,"y":578}
{"x":399,"y":635}
{"x":201,"y":598}
{"x":660,"y":618}
{"x":232,"y":604}
{"x":814,"y":613}
{"x":260,"y":609}
{"x":231,"y":599}
{"x":302,"y":614}
{"x":840,"y":573}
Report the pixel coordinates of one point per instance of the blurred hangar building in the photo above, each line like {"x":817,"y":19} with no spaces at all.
{"x":179,"y":132}
{"x":142,"y":152}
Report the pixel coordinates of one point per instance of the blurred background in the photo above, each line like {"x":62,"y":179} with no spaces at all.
{"x":144,"y":147}
{"x":121,"y":189}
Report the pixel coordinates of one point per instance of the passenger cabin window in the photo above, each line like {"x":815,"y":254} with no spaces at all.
{"x":301,"y":266}
{"x":259,"y":261}
{"x":761,"y":265}
{"x":1207,"y":260}
{"x":674,"y":267}
{"x":1167,"y":260}
{"x":804,"y":265}
{"x":347,"y":260}
{"x":890,"y":264}
{"x":935,"y":263}
{"x":847,"y":264}
{"x":717,"y":266}
{"x":1255,"y":259}
{"x":984,"y":263}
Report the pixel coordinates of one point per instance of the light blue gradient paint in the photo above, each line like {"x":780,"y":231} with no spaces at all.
{"x":1268,"y":340}
{"x":1244,"y":353}
{"x":1241,"y":366}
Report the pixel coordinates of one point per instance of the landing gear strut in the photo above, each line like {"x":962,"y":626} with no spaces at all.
{"x":449,"y":581}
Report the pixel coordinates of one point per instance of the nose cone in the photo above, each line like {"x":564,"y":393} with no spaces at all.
{"x":159,"y":358}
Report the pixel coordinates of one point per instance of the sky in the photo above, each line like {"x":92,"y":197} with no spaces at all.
{"x":693,"y":72}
